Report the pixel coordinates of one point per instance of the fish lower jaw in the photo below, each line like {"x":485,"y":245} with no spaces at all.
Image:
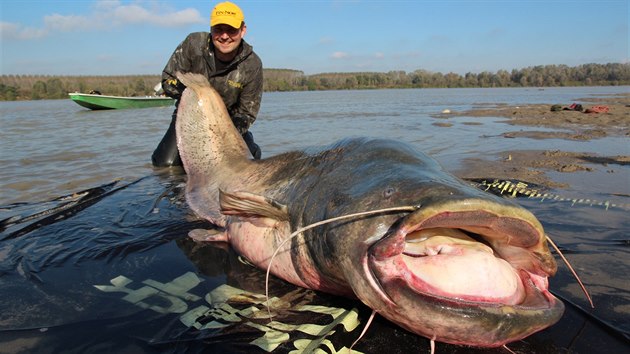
{"x":471,"y":318}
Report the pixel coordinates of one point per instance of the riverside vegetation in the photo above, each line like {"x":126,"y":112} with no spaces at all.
{"x":36,"y":87}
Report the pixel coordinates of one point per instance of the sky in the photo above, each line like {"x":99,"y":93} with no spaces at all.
{"x":107,"y":37}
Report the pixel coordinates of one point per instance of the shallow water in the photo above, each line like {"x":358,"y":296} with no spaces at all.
{"x":115,"y":272}
{"x":55,"y":147}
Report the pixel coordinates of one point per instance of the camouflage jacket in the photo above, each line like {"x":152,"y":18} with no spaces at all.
{"x":239,"y":84}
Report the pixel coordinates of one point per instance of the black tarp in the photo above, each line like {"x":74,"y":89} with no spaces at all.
{"x":111,"y":269}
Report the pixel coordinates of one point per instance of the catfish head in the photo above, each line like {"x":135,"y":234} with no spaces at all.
{"x":465,"y":268}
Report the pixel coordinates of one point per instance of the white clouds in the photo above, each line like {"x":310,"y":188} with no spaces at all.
{"x":10,"y":31}
{"x":105,"y":14}
{"x":185,"y":17}
{"x":135,"y":14}
{"x":56,"y":22}
{"x":339,"y":55}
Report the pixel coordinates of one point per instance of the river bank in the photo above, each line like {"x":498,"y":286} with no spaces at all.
{"x":535,"y":165}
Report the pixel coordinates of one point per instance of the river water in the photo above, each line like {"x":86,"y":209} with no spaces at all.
{"x":120,"y":263}
{"x":55,"y":147}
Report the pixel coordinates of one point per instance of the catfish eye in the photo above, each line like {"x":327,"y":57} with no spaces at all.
{"x":389,"y":191}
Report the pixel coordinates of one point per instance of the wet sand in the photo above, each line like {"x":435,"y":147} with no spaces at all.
{"x":535,"y":165}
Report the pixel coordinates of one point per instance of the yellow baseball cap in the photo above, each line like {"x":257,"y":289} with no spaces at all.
{"x":227,"y":13}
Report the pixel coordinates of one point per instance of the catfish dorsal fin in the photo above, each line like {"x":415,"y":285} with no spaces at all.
{"x":250,"y":204}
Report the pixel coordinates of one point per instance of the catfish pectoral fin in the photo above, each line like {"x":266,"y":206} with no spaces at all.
{"x":245,"y":203}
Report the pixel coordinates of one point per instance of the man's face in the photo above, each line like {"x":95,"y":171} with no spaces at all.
{"x":226,"y":38}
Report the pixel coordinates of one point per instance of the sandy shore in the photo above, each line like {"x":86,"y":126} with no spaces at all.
{"x":534,"y":165}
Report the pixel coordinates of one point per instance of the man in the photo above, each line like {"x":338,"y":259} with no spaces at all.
{"x":231,"y":67}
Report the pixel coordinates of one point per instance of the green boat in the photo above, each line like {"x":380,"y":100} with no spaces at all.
{"x":98,"y":102}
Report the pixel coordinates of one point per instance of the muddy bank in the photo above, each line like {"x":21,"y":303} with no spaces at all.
{"x":535,"y":165}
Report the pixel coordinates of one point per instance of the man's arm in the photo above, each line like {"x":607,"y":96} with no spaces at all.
{"x":177,"y":62}
{"x":245,"y":113}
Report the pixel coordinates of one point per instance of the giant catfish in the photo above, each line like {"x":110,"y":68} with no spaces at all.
{"x":465,"y":267}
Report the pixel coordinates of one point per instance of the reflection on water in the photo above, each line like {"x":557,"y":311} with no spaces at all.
{"x":596,"y":242}
{"x":112,"y":270}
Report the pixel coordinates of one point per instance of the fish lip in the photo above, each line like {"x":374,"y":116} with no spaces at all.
{"x":468,"y":321}
{"x":533,"y":281}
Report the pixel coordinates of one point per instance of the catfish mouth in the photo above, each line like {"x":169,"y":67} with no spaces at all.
{"x":476,"y":256}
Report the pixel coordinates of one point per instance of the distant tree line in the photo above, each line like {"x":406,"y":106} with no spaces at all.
{"x":35,"y":87}
{"x":614,"y":74}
